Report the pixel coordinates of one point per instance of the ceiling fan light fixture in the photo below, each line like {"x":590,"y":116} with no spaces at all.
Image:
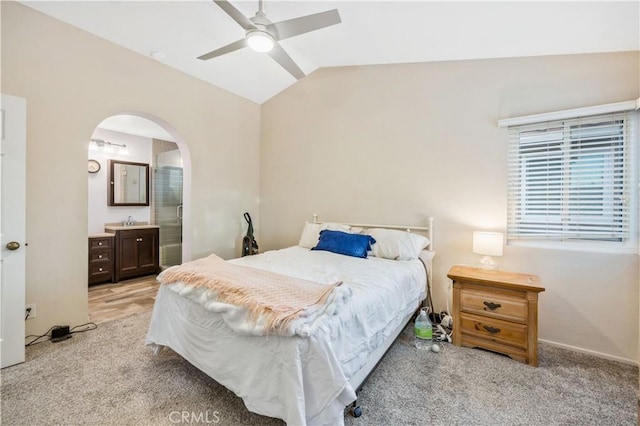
{"x":260,"y":41}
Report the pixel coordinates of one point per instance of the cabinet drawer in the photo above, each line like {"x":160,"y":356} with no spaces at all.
{"x":138,"y":233}
{"x":100,"y":268}
{"x":97,"y":243}
{"x":504,"y":305}
{"x":98,"y":255}
{"x":494,"y":329}
{"x":100,"y":272}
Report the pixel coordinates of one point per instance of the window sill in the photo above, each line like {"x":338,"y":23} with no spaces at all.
{"x":579,"y":246}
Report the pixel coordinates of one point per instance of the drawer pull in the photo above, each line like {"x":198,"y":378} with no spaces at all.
{"x":100,"y":256}
{"x":100,"y":243}
{"x":490,"y":329}
{"x":100,"y":269}
{"x":492,"y":305}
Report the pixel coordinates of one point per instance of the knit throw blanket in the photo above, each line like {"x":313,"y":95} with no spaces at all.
{"x":267,"y":296}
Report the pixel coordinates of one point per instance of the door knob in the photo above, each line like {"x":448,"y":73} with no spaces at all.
{"x":13,"y":245}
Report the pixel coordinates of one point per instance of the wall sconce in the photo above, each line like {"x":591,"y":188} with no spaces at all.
{"x":109,"y":147}
{"x":488,"y":244}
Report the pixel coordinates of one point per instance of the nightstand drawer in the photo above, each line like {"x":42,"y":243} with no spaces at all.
{"x":493,"y":303}
{"x":494,"y":329}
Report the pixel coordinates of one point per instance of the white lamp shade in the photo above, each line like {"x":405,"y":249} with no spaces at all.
{"x":488,"y":243}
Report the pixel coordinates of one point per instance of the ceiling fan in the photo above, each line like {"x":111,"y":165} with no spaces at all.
{"x":262,"y":35}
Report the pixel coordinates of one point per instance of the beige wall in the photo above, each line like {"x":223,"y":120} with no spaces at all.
{"x":393,"y":143}
{"x":398,"y":143}
{"x":72,"y":81}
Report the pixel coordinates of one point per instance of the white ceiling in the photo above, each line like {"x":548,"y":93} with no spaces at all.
{"x":371,"y":32}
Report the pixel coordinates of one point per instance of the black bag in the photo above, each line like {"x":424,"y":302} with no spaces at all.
{"x":249,"y":244}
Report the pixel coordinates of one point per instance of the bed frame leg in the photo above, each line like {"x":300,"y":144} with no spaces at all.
{"x":355,"y":410}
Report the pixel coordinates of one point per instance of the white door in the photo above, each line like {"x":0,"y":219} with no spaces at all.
{"x":13,"y":116}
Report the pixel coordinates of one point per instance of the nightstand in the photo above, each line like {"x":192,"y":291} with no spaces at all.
{"x":497,"y":311}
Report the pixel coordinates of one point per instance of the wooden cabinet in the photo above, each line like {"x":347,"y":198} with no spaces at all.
{"x":100,"y":258}
{"x":497,"y":311}
{"x":136,"y":252}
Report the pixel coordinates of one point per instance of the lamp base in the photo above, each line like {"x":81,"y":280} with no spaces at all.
{"x":487,"y":262}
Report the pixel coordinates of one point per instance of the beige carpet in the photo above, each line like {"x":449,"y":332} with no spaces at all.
{"x":108,"y":377}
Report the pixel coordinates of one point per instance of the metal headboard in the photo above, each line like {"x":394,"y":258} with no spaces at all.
{"x":409,"y":228}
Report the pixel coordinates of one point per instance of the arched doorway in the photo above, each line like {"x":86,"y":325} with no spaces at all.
{"x":150,"y":126}
{"x":132,"y":137}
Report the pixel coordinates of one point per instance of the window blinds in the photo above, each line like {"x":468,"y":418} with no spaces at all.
{"x":571,"y":179}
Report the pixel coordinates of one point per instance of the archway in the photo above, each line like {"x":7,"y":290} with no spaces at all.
{"x":143,"y":138}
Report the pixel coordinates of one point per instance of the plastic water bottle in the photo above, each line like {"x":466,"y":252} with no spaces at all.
{"x":423,"y":331}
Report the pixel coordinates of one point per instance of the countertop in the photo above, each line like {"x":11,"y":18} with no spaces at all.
{"x":124,"y":228}
{"x":101,"y":235}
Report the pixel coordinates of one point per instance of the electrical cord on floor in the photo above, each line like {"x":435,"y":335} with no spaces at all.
{"x":46,"y":334}
{"x":88,"y":325}
{"x":441,"y":333}
{"x":429,"y":295}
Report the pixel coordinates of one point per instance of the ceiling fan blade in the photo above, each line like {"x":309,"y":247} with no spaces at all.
{"x":236,"y":45}
{"x":305,"y":24}
{"x":235,"y":14}
{"x":281,"y":57}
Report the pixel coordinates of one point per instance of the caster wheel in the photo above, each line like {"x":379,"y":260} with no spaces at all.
{"x":356,"y":411}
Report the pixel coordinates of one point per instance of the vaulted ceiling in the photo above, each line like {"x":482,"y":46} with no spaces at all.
{"x":371,"y":32}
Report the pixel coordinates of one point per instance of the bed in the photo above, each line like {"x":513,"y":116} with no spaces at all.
{"x":311,"y":370}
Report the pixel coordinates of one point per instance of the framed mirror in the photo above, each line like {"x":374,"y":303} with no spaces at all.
{"x":127,"y":183}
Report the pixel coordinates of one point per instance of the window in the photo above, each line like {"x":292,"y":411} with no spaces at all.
{"x":572,"y":180}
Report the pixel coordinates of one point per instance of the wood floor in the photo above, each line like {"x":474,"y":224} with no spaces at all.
{"x":118,"y":300}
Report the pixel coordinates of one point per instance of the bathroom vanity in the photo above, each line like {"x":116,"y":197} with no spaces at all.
{"x":136,"y":250}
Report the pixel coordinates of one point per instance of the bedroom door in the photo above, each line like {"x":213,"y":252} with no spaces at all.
{"x":13,"y":129}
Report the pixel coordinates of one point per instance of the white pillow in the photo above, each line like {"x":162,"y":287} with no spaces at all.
{"x":311,"y":232}
{"x":396,"y":245}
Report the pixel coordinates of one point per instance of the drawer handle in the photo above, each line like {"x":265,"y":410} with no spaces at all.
{"x":100,"y":256}
{"x":492,"y":305}
{"x":490,"y":329}
{"x":100,"y":269}
{"x":100,"y":244}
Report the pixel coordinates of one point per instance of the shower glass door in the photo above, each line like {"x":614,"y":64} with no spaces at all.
{"x":167,"y":191}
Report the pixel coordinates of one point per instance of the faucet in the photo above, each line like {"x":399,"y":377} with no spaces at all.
{"x":129,"y":221}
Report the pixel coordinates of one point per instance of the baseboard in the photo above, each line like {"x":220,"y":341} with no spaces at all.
{"x":590,"y":352}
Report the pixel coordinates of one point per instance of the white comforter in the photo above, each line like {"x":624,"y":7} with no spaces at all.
{"x":235,"y":317}
{"x":303,"y":380}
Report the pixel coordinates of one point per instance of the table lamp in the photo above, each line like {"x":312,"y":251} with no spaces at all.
{"x":488,"y":244}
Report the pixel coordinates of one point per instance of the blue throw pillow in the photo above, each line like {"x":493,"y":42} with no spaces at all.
{"x":355,"y":245}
